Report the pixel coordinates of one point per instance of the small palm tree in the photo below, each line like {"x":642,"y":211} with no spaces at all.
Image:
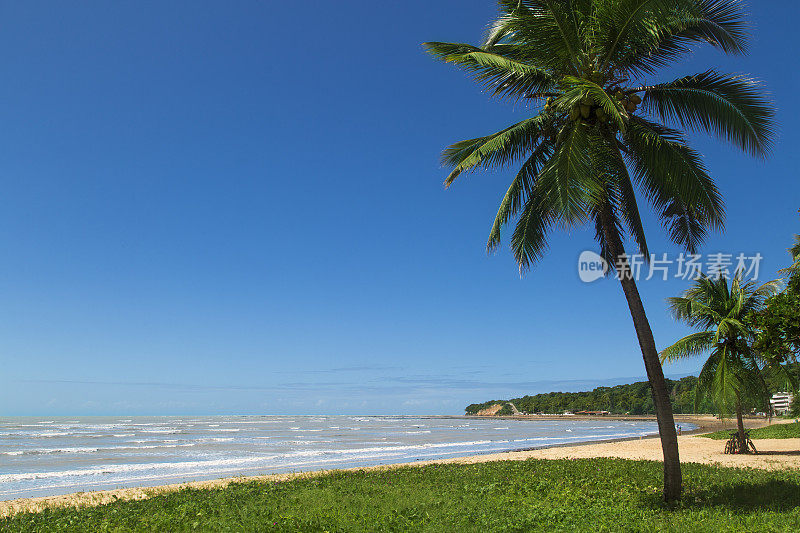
{"x":596,"y":132}
{"x":733,"y":370}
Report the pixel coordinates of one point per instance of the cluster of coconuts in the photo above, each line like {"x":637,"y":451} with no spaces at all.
{"x":629,"y":101}
{"x":586,"y":108}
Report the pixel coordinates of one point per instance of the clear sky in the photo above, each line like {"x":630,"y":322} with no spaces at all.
{"x":237,"y":207}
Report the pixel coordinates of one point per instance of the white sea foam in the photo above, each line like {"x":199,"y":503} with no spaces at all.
{"x":68,"y":456}
{"x":50,"y":451}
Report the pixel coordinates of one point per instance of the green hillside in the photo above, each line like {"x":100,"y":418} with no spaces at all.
{"x":633,"y":398}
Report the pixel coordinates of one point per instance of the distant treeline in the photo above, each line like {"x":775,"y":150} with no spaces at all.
{"x":633,"y":398}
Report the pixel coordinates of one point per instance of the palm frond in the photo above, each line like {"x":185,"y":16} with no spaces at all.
{"x":495,"y":150}
{"x":629,"y":209}
{"x":795,"y":249}
{"x":692,"y":345}
{"x":606,"y":219}
{"x":500,"y":74}
{"x":685,"y":225}
{"x":517,"y":193}
{"x":705,"y":381}
{"x":720,"y":23}
{"x":617,"y":21}
{"x":566,"y":180}
{"x":673,"y":178}
{"x":547,"y":29}
{"x":726,"y":382}
{"x":529,"y":240}
{"x":666,"y":36}
{"x":620,"y":197}
{"x":732,"y":107}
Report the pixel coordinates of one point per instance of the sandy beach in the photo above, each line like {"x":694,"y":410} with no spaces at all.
{"x":773,"y":454}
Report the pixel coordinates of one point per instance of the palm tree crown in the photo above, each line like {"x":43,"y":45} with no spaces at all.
{"x":720,"y":310}
{"x":599,"y":132}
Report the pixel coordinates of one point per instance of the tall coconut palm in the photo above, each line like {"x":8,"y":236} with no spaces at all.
{"x":595,"y":134}
{"x":733,"y":370}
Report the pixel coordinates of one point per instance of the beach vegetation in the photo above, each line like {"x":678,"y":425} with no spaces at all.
{"x":775,"y":431}
{"x":779,"y":322}
{"x":720,"y":309}
{"x":503,"y":496}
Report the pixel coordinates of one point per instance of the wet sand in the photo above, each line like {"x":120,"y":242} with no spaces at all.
{"x":774,"y":454}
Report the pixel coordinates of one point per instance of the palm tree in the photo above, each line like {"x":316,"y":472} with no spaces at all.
{"x":733,"y":370}
{"x":596,"y":133}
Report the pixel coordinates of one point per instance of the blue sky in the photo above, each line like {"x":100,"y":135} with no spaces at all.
{"x":237,"y":207}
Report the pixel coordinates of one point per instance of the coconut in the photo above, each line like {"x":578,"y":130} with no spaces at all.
{"x":575,"y":113}
{"x":636,"y":99}
{"x":586,"y":111}
{"x":630,"y":107}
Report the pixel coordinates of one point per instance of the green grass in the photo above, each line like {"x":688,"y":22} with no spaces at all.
{"x":777,"y":431}
{"x":536,"y":495}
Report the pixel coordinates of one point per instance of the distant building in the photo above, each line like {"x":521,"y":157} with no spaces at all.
{"x":593,"y":413}
{"x":781,"y":402}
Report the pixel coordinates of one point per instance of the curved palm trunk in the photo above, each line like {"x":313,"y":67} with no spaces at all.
{"x":740,"y":425}
{"x":655,"y":374}
{"x":658,"y":388}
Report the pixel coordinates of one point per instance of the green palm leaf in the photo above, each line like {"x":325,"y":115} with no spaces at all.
{"x":497,"y":149}
{"x":503,"y":75}
{"x":516,"y":195}
{"x":731,"y":107}
{"x":566,"y":181}
{"x":665,"y":36}
{"x":529,"y":240}
{"x":549,"y":30}
{"x":672,"y":176}
{"x":692,"y":345}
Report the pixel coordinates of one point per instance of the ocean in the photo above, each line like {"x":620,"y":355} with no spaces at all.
{"x":49,"y":456}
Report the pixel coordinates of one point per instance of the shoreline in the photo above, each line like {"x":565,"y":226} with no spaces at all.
{"x":637,"y":448}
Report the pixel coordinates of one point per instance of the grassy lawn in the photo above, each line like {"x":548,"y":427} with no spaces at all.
{"x":535,"y":495}
{"x":777,"y":431}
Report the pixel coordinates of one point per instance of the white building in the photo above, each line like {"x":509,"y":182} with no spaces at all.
{"x":781,"y":402}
